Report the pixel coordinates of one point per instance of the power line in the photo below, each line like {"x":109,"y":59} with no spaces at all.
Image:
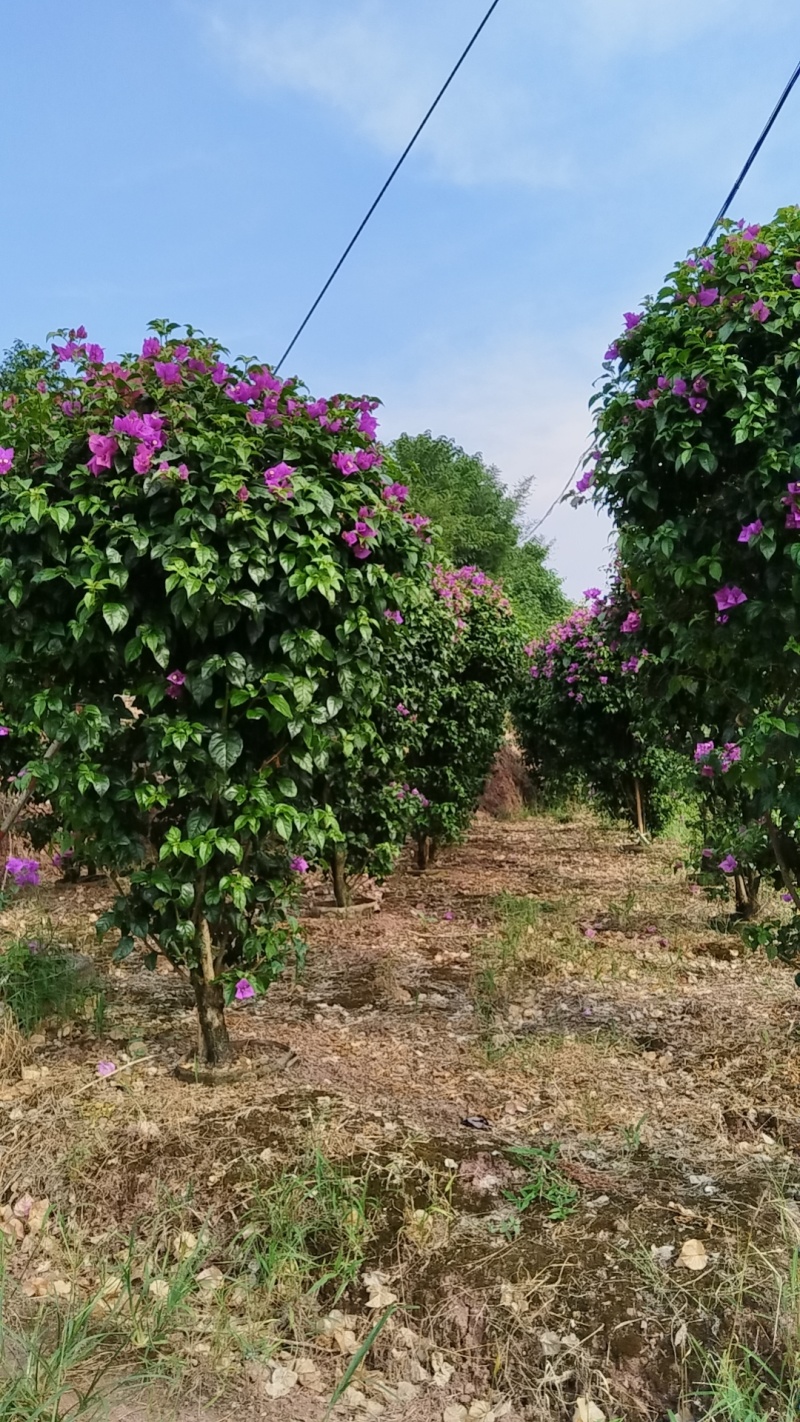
{"x":396,"y":169}
{"x":756,"y":150}
{"x":725,"y":206}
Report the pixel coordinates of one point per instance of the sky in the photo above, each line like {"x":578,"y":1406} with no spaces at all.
{"x":208,"y":160}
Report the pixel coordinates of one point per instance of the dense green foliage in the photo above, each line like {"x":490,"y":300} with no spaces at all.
{"x":479,"y":523}
{"x":466,"y":712}
{"x":193,"y":635}
{"x":584,"y":723}
{"x":228,"y":655}
{"x":697,"y":460}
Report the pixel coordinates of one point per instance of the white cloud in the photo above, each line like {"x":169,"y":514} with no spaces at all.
{"x":379,"y":68}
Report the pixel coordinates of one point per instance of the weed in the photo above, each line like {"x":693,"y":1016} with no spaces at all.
{"x":621,"y":913}
{"x":53,"y":1363}
{"x":512,"y":950}
{"x":546,"y":1185}
{"x":40,"y":979}
{"x":306,"y":1231}
{"x":632,"y":1136}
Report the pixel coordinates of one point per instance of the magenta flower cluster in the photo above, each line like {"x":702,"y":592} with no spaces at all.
{"x":359,"y":537}
{"x":22,"y":871}
{"x":458,"y":588}
{"x":709,"y":760}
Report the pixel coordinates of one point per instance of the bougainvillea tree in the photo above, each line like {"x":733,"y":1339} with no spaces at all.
{"x":196,"y":563}
{"x":698,"y":460}
{"x":583,"y":721}
{"x":464,"y":713}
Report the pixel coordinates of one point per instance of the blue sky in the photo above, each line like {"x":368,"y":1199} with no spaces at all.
{"x":207,"y":160}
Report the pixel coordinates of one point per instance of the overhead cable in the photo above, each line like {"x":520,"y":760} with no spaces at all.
{"x":396,"y":169}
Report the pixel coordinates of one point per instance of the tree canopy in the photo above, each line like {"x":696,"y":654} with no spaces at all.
{"x":480,"y":523}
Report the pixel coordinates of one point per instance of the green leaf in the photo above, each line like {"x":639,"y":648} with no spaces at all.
{"x":115,"y":615}
{"x":225,"y":747}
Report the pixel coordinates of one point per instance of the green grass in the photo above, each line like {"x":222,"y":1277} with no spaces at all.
{"x":512,"y":948}
{"x":305,"y":1232}
{"x":55,"y":1358}
{"x":40,"y":979}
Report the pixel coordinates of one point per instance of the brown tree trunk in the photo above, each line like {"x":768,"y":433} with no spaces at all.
{"x":746,"y":888}
{"x":340,"y":890}
{"x":423,"y":851}
{"x":637,"y":790}
{"x":213,"y":1042}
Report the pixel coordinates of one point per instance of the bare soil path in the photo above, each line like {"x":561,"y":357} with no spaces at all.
{"x":569,"y":1094}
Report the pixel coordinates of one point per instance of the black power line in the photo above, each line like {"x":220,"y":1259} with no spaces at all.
{"x":729,"y":199}
{"x":748,"y":165}
{"x":396,"y":169}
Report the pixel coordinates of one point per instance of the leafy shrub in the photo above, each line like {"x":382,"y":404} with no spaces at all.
{"x":698,"y":450}
{"x":465,"y":711}
{"x":197,"y":563}
{"x":583,"y":722}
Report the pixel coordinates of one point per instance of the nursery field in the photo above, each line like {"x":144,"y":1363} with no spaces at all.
{"x":520,"y":1144}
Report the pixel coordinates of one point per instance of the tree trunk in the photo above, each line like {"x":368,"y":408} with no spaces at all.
{"x":213,"y":1042}
{"x":423,"y":851}
{"x":340,"y":890}
{"x":746,"y":888}
{"x":637,"y":790}
{"x":433,"y":850}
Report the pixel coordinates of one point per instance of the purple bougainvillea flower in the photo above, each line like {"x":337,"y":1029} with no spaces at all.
{"x":6,"y":459}
{"x":707,"y":295}
{"x":762,"y":251}
{"x":632,"y":319}
{"x":750,"y":530}
{"x":591,"y":593}
{"x":278,"y":480}
{"x":151,"y":347}
{"x":612,"y":353}
{"x":760,"y":310}
{"x":244,"y":990}
{"x":787,"y":898}
{"x":702,"y":749}
{"x":708,"y":854}
{"x":143,"y":458}
{"x":106,"y":1068}
{"x":243,"y":494}
{"x":729,"y":596}
{"x":175,"y":684}
{"x":697,"y":403}
{"x":345,"y":463}
{"x":679,"y":387}
{"x":448,"y":915}
{"x":182,"y":472}
{"x":751,"y":232}
{"x":586,"y":479}
{"x":22,"y":871}
{"x":402,"y":710}
{"x":168,"y":372}
{"x":95,"y":354}
{"x":707,"y":263}
{"x":219,"y":373}
{"x":590,"y":932}
{"x":367,"y":424}
{"x":644,"y":404}
{"x":104,"y":448}
{"x":795,"y":278}
{"x":394,"y":493}
{"x":729,"y":865}
{"x":299,"y":865}
{"x":632,"y":622}
{"x":700,"y":385}
{"x":394,"y":616}
{"x":4,"y":731}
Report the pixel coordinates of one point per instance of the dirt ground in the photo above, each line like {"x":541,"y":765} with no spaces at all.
{"x":545,"y":1096}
